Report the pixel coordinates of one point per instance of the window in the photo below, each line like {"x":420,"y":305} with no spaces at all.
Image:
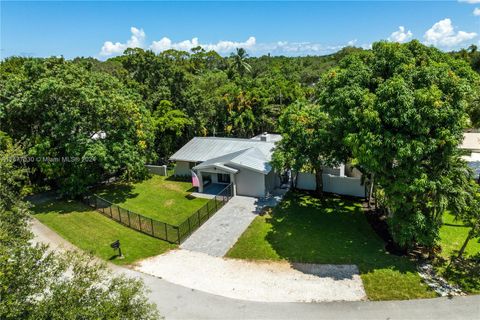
{"x":223,"y":178}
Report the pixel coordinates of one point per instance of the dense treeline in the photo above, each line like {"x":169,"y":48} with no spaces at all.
{"x":84,"y":120}
{"x":81,"y":121}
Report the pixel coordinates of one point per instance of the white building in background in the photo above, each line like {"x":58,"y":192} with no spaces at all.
{"x":471,"y":145}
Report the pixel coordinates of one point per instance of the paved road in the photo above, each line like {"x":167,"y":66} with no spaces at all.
{"x":216,"y":236}
{"x":177,"y":302}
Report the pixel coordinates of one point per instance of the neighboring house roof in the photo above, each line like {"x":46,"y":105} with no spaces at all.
{"x":471,"y":141}
{"x":253,"y":154}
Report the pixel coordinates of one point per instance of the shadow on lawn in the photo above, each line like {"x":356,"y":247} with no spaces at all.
{"x":332,"y":230}
{"x":60,"y":207}
{"x":117,"y":193}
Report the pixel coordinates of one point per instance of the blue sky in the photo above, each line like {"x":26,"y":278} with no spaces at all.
{"x":104,"y":29}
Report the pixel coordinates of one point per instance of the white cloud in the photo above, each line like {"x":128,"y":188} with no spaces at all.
{"x":401,"y":35}
{"x":136,"y":41}
{"x":476,"y":12}
{"x":351,"y":43}
{"x":301,"y":48}
{"x":221,"y":46}
{"x":442,"y":34}
{"x":469,"y":1}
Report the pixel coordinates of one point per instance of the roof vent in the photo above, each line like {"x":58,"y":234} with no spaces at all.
{"x":265,"y":137}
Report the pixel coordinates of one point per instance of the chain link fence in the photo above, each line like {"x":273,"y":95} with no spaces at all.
{"x":159,"y":229}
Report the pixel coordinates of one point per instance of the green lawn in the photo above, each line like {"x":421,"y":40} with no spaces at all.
{"x":335,"y":230}
{"x":463,"y":273}
{"x":452,"y":236}
{"x":159,"y":198}
{"x":92,"y":232}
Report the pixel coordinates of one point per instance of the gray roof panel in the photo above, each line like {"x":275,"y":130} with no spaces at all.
{"x":201,"y":149}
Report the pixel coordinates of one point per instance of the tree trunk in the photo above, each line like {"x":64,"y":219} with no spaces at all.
{"x":464,"y":246}
{"x":370,"y":193}
{"x":319,"y":180}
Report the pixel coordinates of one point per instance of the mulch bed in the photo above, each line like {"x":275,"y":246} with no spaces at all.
{"x":378,"y":221}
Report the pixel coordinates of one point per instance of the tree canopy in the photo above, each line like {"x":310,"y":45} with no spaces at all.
{"x":400,"y":110}
{"x":77,"y":126}
{"x":36,"y":283}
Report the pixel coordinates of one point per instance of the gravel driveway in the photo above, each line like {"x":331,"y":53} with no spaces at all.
{"x":257,"y":281}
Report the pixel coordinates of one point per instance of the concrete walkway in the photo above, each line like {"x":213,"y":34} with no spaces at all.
{"x":216,"y":236}
{"x":43,"y":234}
{"x":178,"y":302}
{"x":266,"y":281}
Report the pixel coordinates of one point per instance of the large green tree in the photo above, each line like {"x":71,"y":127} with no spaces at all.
{"x":400,"y":110}
{"x":78,"y":126}
{"x":36,"y":283}
{"x":307,"y":142}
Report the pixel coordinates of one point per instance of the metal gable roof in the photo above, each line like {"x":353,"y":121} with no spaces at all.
{"x":252,"y":159}
{"x":201,"y":149}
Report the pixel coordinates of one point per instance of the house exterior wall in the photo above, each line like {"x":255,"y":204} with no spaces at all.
{"x":250,"y":183}
{"x":349,"y":186}
{"x":182,"y":168}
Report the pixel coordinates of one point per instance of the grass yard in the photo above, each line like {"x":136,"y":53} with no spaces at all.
{"x":92,"y":232}
{"x":452,"y":236}
{"x":158,"y":198}
{"x":465,"y":273}
{"x":306,"y":229}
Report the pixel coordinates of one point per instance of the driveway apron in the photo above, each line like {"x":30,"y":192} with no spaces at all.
{"x":216,"y":236}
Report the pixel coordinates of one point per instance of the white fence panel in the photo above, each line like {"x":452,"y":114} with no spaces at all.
{"x":160,"y":170}
{"x":349,"y":186}
{"x":306,"y":181}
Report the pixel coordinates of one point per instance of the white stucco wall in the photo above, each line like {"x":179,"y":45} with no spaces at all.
{"x":250,"y":183}
{"x":349,"y":186}
{"x":344,"y":185}
{"x":306,"y":181}
{"x":182,"y":168}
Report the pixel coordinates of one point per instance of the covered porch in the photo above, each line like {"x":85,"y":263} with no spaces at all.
{"x":214,"y":178}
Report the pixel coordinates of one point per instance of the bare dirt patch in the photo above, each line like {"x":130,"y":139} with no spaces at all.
{"x":169,"y":203}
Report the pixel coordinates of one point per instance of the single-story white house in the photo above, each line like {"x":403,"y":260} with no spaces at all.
{"x":471,"y":145}
{"x":220,"y":161}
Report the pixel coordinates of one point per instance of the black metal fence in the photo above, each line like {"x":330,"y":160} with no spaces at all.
{"x":159,"y":229}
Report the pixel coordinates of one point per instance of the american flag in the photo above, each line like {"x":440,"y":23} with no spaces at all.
{"x":195,"y":181}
